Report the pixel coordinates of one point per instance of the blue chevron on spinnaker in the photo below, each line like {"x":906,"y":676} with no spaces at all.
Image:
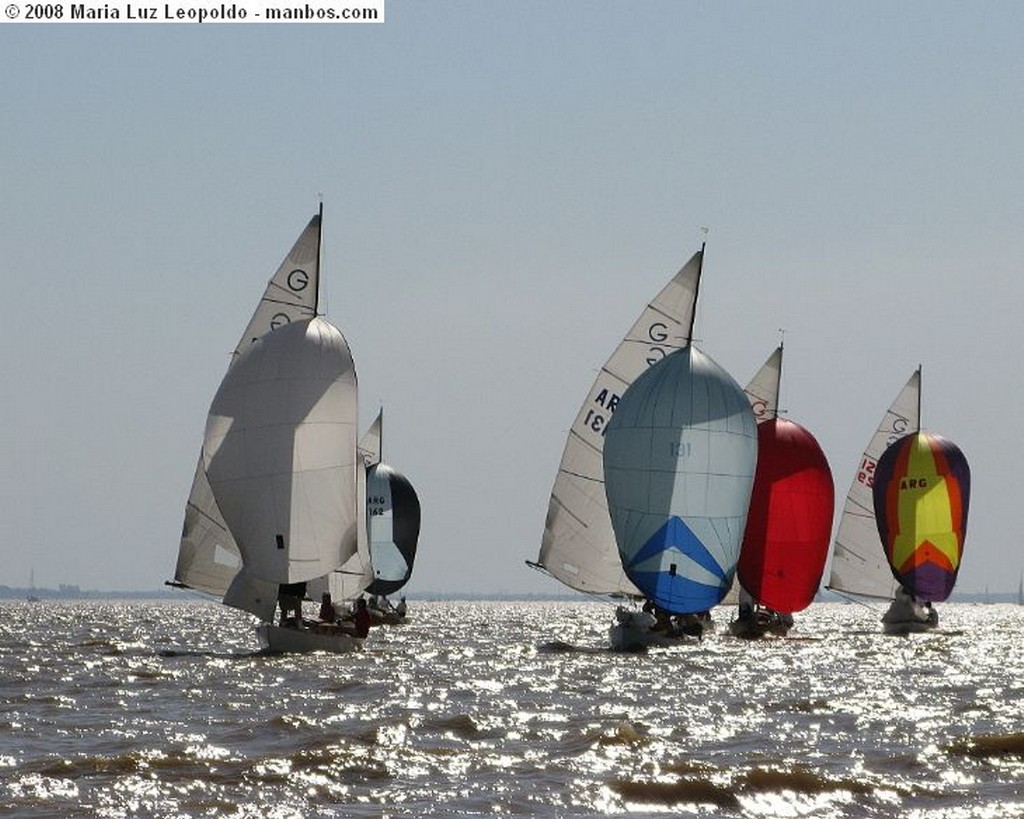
{"x":676,"y":546}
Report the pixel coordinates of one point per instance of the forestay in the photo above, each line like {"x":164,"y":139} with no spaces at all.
{"x":679,"y":465}
{"x":578,"y":546}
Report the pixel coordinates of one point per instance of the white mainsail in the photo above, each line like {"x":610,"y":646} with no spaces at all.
{"x":208,"y":557}
{"x":859,"y":566}
{"x":280,"y":452}
{"x":370,"y":443}
{"x":578,"y":546}
{"x":763,"y":389}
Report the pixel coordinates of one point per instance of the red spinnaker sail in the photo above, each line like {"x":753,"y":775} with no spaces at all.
{"x":789,"y":524}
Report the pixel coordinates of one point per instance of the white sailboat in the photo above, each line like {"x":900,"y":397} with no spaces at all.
{"x":578,"y":546}
{"x":275,"y":499}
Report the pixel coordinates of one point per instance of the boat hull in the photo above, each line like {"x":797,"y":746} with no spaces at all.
{"x":754,"y":629}
{"x":280,"y":640}
{"x":634,"y":632}
{"x":908,"y":627}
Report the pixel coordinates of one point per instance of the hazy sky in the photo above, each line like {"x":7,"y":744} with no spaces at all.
{"x":505,"y":186}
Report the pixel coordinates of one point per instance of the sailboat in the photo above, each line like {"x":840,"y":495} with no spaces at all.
{"x":679,"y":460}
{"x":789,"y":524}
{"x":921,"y":494}
{"x":578,"y":546}
{"x":392,"y":509}
{"x":277,"y":498}
{"x":860,"y":567}
{"x":32,"y":597}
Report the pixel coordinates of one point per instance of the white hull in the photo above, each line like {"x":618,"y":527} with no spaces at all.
{"x":280,"y":640}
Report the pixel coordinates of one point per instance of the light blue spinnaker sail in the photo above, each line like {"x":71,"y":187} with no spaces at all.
{"x":679,"y":460}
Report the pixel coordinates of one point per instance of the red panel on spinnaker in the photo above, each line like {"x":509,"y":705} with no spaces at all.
{"x":921,"y":492}
{"x":789,"y":524}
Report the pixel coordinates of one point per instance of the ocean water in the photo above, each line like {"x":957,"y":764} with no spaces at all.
{"x":164,"y":709}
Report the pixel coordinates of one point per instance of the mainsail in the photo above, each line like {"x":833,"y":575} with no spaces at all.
{"x":921,"y":494}
{"x":859,"y":566}
{"x":785,"y":543}
{"x":578,"y":546}
{"x":679,"y":462}
{"x":208,"y":557}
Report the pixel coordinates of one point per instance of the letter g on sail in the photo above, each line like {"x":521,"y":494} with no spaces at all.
{"x":298,"y":280}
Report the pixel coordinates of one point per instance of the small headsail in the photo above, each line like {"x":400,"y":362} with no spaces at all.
{"x":921,"y":493}
{"x":679,"y":461}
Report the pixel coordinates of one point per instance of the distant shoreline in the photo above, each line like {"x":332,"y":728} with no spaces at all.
{"x":65,"y":592}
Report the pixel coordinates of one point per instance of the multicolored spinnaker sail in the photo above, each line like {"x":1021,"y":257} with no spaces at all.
{"x":921,"y":491}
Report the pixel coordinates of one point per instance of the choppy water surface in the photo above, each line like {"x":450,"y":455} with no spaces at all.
{"x":163,"y":709}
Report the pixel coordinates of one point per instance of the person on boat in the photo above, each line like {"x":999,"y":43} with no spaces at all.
{"x":400,"y":609}
{"x":289,"y":598}
{"x":362,"y":618}
{"x":328,"y":614}
{"x":905,"y":607}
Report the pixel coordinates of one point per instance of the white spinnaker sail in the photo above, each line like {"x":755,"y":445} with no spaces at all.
{"x":679,"y":466}
{"x":208,"y":557}
{"x":859,"y":565}
{"x":280,"y":453}
{"x":578,"y":547}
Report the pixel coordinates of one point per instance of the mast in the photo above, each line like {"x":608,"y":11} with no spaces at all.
{"x":319,"y":257}
{"x":918,"y":398}
{"x":778,"y":386}
{"x":696,"y":293}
